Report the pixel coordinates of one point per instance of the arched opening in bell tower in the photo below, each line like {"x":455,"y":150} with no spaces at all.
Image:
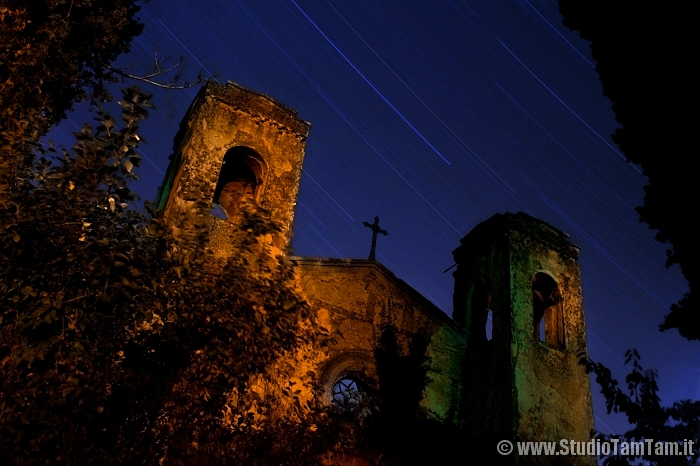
{"x":240,"y":180}
{"x":547,"y":315}
{"x":481,"y":313}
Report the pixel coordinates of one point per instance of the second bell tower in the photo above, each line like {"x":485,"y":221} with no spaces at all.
{"x":518,"y":297}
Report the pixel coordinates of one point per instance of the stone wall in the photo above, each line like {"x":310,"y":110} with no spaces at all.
{"x":510,"y":385}
{"x":352,"y":297}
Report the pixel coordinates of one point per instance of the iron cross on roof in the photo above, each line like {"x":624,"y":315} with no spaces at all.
{"x":375,"y":229}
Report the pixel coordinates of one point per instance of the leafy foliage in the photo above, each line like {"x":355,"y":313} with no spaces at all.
{"x":647,"y":59}
{"x":72,"y":258}
{"x":54,"y":53}
{"x":641,"y":404}
{"x":401,"y":431}
{"x":124,"y":340}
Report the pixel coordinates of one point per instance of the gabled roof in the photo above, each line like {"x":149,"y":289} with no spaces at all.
{"x":433,"y":312}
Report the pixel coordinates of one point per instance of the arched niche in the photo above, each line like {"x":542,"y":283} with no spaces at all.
{"x":481,"y":313}
{"x":241,"y":179}
{"x":547,"y":312}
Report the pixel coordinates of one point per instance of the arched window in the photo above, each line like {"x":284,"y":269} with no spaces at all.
{"x":350,"y":397}
{"x":489,"y":325}
{"x":240,"y":180}
{"x":547,"y":315}
{"x":481,"y":313}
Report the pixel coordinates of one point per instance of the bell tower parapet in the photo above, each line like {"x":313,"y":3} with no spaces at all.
{"x":235,"y":145}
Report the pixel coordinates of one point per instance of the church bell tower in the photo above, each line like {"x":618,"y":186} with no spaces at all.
{"x":235,"y":145}
{"x":518,"y":297}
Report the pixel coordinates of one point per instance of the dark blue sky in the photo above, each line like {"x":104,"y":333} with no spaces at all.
{"x":435,"y":116}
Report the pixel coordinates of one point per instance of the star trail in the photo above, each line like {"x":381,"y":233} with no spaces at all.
{"x":434,"y":116}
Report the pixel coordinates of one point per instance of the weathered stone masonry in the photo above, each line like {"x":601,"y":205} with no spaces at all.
{"x":521,"y":382}
{"x":521,"y":385}
{"x":226,"y":118}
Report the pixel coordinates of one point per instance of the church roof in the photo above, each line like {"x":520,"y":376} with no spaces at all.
{"x":434,"y":312}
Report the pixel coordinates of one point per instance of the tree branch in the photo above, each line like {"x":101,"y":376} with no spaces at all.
{"x":148,"y":78}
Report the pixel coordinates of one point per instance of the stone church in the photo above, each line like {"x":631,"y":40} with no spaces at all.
{"x":525,"y":382}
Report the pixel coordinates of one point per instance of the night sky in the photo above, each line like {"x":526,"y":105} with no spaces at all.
{"x":435,"y":116}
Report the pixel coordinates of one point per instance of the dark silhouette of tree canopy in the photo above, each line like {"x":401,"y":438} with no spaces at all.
{"x":647,"y":56}
{"x":641,"y":405}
